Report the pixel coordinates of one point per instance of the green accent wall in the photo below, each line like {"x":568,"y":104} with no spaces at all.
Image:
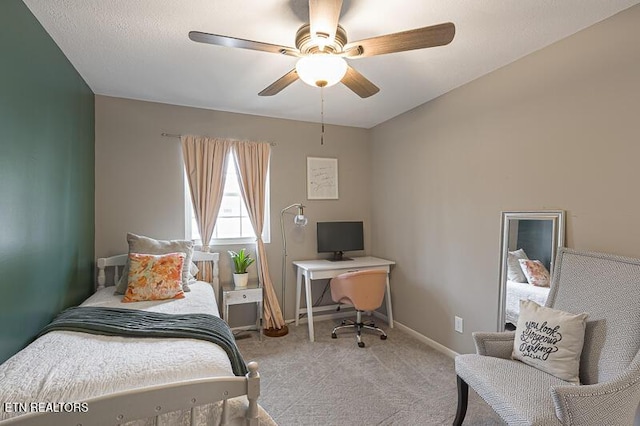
{"x":46,"y":180}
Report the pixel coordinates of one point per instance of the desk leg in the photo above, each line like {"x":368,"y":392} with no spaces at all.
{"x":307,"y":288}
{"x":389,"y":312}
{"x":298,"y":287}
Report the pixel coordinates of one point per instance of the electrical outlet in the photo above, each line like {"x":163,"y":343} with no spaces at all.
{"x":458,"y":324}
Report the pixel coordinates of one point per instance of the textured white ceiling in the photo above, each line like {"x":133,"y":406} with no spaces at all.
{"x":139,"y":49}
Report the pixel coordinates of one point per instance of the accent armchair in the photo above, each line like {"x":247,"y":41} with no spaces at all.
{"x":607,"y":287}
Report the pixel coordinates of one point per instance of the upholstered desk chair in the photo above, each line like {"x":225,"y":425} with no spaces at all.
{"x":606,"y":287}
{"x":365,"y":291}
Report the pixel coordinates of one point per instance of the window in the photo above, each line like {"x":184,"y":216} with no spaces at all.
{"x":233,"y":225}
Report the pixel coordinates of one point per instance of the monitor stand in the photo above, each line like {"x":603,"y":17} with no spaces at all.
{"x":338,"y":257}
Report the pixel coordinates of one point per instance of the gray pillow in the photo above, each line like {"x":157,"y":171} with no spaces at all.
{"x":146,"y":245}
{"x":514,"y":271}
{"x":193,"y":271}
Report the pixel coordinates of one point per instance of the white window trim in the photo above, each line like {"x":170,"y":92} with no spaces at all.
{"x":188,"y":213}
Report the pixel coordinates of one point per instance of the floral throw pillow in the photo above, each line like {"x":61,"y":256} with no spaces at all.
{"x":550,"y":340}
{"x":154,"y":277}
{"x":142,"y":244}
{"x":535,"y":272}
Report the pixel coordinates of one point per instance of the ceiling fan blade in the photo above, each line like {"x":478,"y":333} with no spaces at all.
{"x":227,"y":41}
{"x":280,"y":84}
{"x":420,"y":38}
{"x":359,"y":84}
{"x":323,"y":17}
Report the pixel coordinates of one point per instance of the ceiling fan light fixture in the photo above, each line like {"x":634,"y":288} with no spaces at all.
{"x":322,"y":40}
{"x":321,"y":70}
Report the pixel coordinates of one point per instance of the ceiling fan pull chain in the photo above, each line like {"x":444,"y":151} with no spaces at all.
{"x":322,"y":114}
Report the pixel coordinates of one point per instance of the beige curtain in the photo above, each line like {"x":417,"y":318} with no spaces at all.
{"x":252,"y":164}
{"x":205,"y":160}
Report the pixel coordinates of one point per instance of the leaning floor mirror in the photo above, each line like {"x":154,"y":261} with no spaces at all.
{"x":528,"y":248}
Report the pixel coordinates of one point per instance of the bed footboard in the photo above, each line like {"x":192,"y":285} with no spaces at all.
{"x":154,"y":401}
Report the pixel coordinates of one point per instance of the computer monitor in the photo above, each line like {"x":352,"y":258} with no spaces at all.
{"x":338,"y":237}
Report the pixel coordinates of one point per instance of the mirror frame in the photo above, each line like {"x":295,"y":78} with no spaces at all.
{"x":558,"y":220}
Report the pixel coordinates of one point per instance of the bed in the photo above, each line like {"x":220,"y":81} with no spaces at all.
{"x":97,"y":379}
{"x":517,"y":291}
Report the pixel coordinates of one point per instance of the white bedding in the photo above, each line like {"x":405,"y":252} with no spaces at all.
{"x":526,"y":291}
{"x":64,"y":366}
{"x":200,"y":300}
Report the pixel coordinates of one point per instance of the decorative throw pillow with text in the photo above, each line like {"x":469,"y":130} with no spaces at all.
{"x":550,"y":340}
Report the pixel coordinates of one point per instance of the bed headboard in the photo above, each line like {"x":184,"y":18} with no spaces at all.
{"x":118,"y":262}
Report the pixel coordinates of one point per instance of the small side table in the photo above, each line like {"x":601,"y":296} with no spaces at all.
{"x":252,"y":293}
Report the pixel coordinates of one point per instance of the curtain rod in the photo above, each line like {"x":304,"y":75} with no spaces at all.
{"x":171,"y":135}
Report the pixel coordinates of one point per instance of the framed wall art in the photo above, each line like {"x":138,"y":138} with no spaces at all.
{"x":322,"y":178}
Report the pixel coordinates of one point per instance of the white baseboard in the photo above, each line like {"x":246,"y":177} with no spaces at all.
{"x":350,"y":312}
{"x":421,"y":337}
{"x":245,"y":328}
{"x":324,"y":317}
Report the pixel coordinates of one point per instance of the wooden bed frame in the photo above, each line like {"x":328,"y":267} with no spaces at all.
{"x":153,"y":401}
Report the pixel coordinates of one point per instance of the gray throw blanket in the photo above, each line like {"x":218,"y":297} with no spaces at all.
{"x":134,"y":323}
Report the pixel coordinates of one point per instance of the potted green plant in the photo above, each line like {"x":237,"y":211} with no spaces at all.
{"x":241,"y":261}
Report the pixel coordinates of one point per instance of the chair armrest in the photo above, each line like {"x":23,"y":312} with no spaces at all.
{"x":498,"y":345}
{"x":612,"y":402}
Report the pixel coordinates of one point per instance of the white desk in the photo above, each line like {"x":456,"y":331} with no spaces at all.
{"x":326,"y":269}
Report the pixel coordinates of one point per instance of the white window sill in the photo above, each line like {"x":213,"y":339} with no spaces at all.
{"x":229,"y":242}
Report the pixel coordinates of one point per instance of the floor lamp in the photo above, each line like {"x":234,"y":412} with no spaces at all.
{"x":299,"y":220}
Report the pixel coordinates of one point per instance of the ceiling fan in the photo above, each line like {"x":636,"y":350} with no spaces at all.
{"x":322,"y":47}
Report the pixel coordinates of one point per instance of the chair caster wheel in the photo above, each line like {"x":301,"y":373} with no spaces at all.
{"x":361,"y":344}
{"x":383,"y":337}
{"x":334,"y":336}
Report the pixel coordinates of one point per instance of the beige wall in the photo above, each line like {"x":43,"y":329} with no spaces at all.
{"x":140,"y":187}
{"x":555,"y":130}
{"x":558,"y":129}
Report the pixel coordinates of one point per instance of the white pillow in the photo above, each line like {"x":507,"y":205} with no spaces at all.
{"x":193,"y":271}
{"x":514,"y":271}
{"x":535,"y":272}
{"x":550,"y":340}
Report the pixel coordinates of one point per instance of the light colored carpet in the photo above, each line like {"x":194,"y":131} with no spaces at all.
{"x":398,"y":381}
